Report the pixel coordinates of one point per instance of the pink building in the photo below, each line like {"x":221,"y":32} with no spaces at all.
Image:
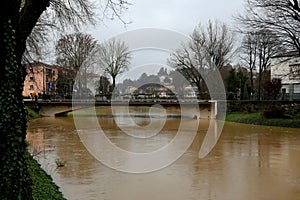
{"x":41,"y":79}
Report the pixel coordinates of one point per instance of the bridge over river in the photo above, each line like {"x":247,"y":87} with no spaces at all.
{"x":63,"y":107}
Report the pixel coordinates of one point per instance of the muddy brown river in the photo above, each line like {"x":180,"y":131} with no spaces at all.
{"x":248,"y":162}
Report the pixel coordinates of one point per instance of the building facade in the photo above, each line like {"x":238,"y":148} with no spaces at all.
{"x":287,"y":68}
{"x":41,"y":79}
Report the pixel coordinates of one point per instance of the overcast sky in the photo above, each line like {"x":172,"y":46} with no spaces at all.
{"x":175,"y":15}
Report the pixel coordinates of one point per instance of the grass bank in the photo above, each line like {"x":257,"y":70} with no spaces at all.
{"x":43,"y":187}
{"x":258,"y":119}
{"x":31,"y":114}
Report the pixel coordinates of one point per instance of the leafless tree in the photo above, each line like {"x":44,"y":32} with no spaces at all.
{"x":249,"y":54}
{"x":217,"y":41}
{"x":282,"y":17}
{"x":268,"y":46}
{"x":257,"y":50}
{"x":75,"y":13}
{"x":189,"y":64}
{"x":77,"y":52}
{"x":209,"y":45}
{"x":114,"y":58}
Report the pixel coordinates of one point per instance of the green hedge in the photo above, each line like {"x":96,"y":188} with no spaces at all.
{"x":258,"y":119}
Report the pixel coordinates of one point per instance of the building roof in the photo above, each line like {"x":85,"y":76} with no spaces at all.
{"x":287,"y":54}
{"x":38,"y":64}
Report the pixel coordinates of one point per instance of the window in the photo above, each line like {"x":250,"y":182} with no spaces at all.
{"x":294,"y":72}
{"x":285,"y":88}
{"x":31,"y":70}
{"x":31,"y":87}
{"x":31,"y":79}
{"x":297,"y":88}
{"x":48,"y":72}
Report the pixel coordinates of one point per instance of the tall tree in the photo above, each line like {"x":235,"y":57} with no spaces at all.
{"x":249,"y":54}
{"x":216,"y":40}
{"x":211,"y":44}
{"x":282,"y":17}
{"x":242,"y":83}
{"x":232,"y":84}
{"x":18,"y":19}
{"x":104,"y":87}
{"x":64,"y":84}
{"x":114,"y":58}
{"x":257,"y":49}
{"x":268,"y":46}
{"x":188,"y":66}
{"x":77,"y":52}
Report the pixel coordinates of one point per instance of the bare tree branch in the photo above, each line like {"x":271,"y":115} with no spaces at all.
{"x":114,"y":58}
{"x":282,"y":17}
{"x":60,"y":15}
{"x":211,"y":44}
{"x":76,"y":51}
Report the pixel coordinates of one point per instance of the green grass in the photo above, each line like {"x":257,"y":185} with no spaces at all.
{"x":242,"y":117}
{"x":258,"y":119}
{"x":31,"y":114}
{"x":43,"y":187}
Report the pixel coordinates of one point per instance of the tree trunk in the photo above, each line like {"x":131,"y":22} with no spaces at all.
{"x":16,"y":23}
{"x":251,"y":79}
{"x":113,"y":83}
{"x":14,"y":175}
{"x":260,"y":85}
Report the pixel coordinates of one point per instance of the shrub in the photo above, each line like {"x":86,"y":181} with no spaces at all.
{"x":292,"y":111}
{"x":274,"y":112}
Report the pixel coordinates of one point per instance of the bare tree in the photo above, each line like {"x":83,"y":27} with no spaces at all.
{"x":280,"y":16}
{"x":114,"y":58}
{"x":77,"y":52}
{"x":19,"y":19}
{"x":268,"y":46}
{"x":249,"y":54}
{"x":186,"y":62}
{"x":217,"y":41}
{"x":256,"y":51}
{"x":103,"y":87}
{"x":211,"y":44}
{"x":76,"y":13}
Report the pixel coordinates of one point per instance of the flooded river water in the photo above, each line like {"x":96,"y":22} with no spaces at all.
{"x":248,"y":162}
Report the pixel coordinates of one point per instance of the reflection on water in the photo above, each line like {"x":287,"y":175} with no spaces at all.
{"x":248,"y":162}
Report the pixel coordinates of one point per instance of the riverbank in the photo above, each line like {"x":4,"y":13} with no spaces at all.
{"x":43,"y":186}
{"x":257,"y":118}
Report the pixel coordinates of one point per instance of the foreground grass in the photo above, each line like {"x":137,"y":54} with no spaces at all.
{"x":258,"y":119}
{"x":43,"y":187}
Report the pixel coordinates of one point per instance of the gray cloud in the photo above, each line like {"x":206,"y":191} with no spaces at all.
{"x":177,"y":15}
